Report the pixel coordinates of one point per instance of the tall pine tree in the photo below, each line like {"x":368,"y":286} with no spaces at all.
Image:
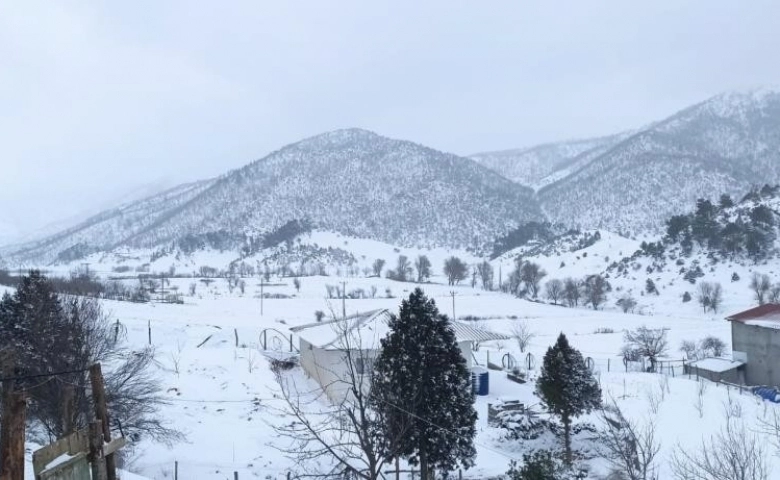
{"x":566,"y":387}
{"x":422,"y":388}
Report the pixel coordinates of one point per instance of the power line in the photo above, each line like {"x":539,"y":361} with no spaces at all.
{"x":42,"y":375}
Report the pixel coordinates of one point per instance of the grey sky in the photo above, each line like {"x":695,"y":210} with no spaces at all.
{"x":100,"y":98}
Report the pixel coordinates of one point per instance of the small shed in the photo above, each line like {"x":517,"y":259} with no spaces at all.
{"x":717,"y":369}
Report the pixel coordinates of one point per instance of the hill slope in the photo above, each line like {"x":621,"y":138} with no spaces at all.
{"x":724,"y":145}
{"x":350,"y":181}
{"x":541,"y":165}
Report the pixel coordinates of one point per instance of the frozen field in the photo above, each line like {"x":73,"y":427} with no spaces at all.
{"x":223,"y":397}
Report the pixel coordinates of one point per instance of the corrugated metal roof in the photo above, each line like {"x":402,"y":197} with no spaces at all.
{"x":367,"y":328}
{"x":768,"y":311}
{"x":465,"y":332}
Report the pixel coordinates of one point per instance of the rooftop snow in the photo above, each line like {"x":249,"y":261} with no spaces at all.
{"x":718,"y":365}
{"x":768,"y":312}
{"x":366,"y":329}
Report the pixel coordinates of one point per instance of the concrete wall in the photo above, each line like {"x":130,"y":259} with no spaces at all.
{"x":760,"y":348}
{"x":329,"y":368}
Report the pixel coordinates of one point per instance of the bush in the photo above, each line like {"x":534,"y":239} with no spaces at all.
{"x":686,"y":297}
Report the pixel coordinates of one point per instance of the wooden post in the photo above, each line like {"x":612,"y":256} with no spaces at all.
{"x":397,"y":469}
{"x":235,"y":475}
{"x":101,"y":412}
{"x":608,"y":364}
{"x":176,"y":470}
{"x":12,"y":423}
{"x":291,"y":343}
{"x":96,"y":458}
{"x":150,"y":332}
{"x":68,"y":409}
{"x":14,"y":420}
{"x":235,"y":332}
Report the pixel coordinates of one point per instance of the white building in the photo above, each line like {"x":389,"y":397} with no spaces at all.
{"x":324,"y":347}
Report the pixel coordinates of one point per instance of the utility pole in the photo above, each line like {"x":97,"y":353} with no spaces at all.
{"x":452,"y":293}
{"x":101,"y":413}
{"x":344,"y":299}
{"x":13,"y":423}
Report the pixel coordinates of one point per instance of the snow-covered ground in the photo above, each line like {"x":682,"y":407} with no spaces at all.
{"x":223,"y":397}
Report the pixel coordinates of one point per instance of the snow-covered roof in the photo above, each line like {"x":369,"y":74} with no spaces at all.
{"x":365,"y":330}
{"x":768,"y":312}
{"x":717,"y":365}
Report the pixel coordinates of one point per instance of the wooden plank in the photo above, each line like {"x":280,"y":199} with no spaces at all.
{"x":114,"y":445}
{"x":70,"y":468}
{"x":77,"y":442}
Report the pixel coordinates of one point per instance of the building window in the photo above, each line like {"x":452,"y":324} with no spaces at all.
{"x":364,"y":366}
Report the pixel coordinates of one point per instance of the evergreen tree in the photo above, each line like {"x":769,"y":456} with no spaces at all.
{"x":566,"y":387}
{"x":422,"y":388}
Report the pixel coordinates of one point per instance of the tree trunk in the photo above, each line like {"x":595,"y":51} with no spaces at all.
{"x":423,"y":466}
{"x":567,"y":439}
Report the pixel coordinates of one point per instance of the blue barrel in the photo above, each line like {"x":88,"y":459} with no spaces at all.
{"x":480,"y":381}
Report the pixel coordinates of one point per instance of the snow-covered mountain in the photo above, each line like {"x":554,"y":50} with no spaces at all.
{"x":350,"y":181}
{"x":726,"y":144}
{"x":541,"y":165}
{"x":107,"y":229}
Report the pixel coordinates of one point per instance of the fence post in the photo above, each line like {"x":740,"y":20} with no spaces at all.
{"x":235,"y":332}
{"x":235,"y":475}
{"x":150,"y":332}
{"x":608,"y":364}
{"x":291,"y":343}
{"x":176,"y":470}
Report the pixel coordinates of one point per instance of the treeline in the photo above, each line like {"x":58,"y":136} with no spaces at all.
{"x":724,"y":227}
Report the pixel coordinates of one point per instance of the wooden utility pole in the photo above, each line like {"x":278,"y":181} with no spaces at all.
{"x":101,"y":412}
{"x":452,"y":293}
{"x":96,"y":459}
{"x":12,"y":432}
{"x":344,"y":299}
{"x":68,"y":409}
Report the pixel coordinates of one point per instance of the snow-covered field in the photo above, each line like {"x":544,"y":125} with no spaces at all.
{"x":223,"y":396}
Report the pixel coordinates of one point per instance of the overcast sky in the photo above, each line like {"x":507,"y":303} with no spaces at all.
{"x":99,"y":99}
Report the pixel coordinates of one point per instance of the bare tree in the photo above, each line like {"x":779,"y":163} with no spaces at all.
{"x":647,"y":342}
{"x":403,"y":270}
{"x":531,"y":274}
{"x":485,"y":271}
{"x":553,"y":289}
{"x":627,"y":303}
{"x":522,"y":334}
{"x":761,"y":286}
{"x":596,"y":288}
{"x":713,"y":346}
{"x":710,"y":296}
{"x":455,"y":270}
{"x":774,"y":293}
{"x":630,"y":448}
{"x":378,"y":265}
{"x":735,"y":453}
{"x":341,"y":429}
{"x":572,"y":292}
{"x":423,"y":266}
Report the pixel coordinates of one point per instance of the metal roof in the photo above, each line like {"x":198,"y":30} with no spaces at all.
{"x":364,"y":330}
{"x":768,"y":311}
